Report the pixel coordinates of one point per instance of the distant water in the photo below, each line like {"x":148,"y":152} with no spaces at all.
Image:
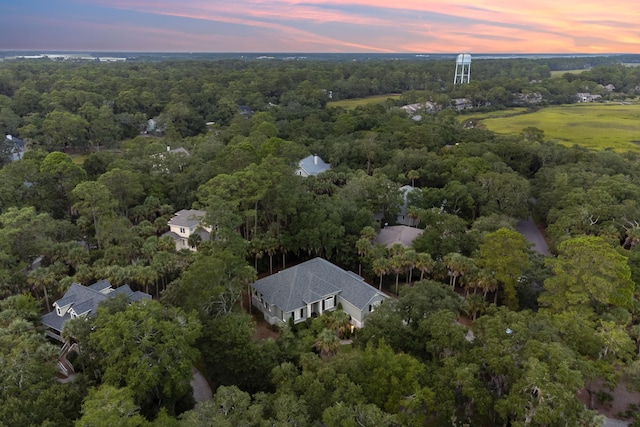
{"x":262,"y":56}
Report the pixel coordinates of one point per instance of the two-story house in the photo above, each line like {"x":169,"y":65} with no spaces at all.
{"x":186,"y":223}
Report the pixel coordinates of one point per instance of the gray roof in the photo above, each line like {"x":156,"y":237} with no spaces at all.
{"x":187,"y":218}
{"x":402,"y":234}
{"x":85,"y":299}
{"x":313,"y":165}
{"x":101,"y":285}
{"x":312,"y":281}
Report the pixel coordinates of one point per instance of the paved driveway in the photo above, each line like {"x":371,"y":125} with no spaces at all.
{"x":201,"y":389}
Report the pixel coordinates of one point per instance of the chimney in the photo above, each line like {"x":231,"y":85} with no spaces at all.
{"x":315,"y":159}
{"x":168,"y":148}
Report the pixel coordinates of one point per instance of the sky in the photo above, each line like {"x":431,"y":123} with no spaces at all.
{"x":384,"y":26}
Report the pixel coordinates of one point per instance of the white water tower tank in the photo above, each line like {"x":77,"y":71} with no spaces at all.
{"x":463,"y":69}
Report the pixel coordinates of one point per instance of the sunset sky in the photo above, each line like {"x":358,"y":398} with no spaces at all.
{"x":430,"y":26}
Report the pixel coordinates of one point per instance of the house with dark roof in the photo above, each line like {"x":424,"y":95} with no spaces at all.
{"x":185,"y":223}
{"x":311,"y":288}
{"x":312,"y":165}
{"x":82,"y":300}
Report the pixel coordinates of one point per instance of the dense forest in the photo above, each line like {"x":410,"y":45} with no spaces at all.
{"x":480,"y":330}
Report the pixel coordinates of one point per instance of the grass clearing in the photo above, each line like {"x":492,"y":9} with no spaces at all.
{"x":560,"y":73}
{"x":595,"y":126}
{"x":350,"y":104}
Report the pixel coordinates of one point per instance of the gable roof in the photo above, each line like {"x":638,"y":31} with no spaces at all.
{"x":312,"y":281}
{"x":402,"y":234}
{"x":313,"y":165}
{"x":187,"y":218}
{"x":85,"y":300}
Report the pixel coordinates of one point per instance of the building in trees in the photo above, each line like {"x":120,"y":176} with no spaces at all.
{"x":82,"y":300}
{"x":312,"y":165}
{"x":187,"y":229}
{"x":14,"y":148}
{"x":311,"y":288}
{"x":395,"y":234}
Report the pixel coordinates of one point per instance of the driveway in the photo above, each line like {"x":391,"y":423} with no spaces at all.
{"x":201,"y":390}
{"x":531,"y":232}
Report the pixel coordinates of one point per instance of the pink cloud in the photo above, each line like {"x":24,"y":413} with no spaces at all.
{"x":404,"y":25}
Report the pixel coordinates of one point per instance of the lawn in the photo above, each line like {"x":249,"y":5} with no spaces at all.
{"x":560,"y":73}
{"x":350,"y":104}
{"x":595,"y":126}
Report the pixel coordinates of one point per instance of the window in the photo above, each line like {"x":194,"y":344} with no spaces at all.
{"x":328,"y":303}
{"x":182,"y":230}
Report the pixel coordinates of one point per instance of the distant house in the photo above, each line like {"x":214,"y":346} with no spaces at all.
{"x":185,"y":223}
{"x":460,"y":104}
{"x":609,"y":87}
{"x":312,"y":165}
{"x":587,"y":97}
{"x":398,"y":234}
{"x":81,"y":301}
{"x":14,"y":147}
{"x":414,"y":110}
{"x":161,"y":160}
{"x":311,"y":288}
{"x":528,"y":98}
{"x":245,"y":111}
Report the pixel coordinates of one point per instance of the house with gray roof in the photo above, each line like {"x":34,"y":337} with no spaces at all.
{"x":398,"y":234}
{"x":82,"y":300}
{"x":14,"y":148}
{"x":311,"y":288}
{"x":312,"y":165}
{"x":185,"y":223}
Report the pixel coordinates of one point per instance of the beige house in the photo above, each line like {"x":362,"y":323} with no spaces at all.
{"x":186,"y":223}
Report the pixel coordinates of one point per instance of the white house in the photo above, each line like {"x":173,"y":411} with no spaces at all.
{"x":311,"y":288}
{"x":185,"y":223}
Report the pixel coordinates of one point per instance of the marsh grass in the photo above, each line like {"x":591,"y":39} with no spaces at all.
{"x":596,"y":126}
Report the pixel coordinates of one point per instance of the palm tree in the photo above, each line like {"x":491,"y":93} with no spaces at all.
{"x":475,"y":305}
{"x":327,"y":343}
{"x":194,"y":240}
{"x":458,"y":265}
{"x":42,"y":277}
{"x":413,"y":175}
{"x":339,"y":321}
{"x":363,"y":246}
{"x":410,"y":258}
{"x":414,"y":214}
{"x":396,"y":263}
{"x":424,"y":263}
{"x":380,"y":267}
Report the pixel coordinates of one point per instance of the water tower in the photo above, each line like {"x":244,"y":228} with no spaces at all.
{"x":463,"y":69}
